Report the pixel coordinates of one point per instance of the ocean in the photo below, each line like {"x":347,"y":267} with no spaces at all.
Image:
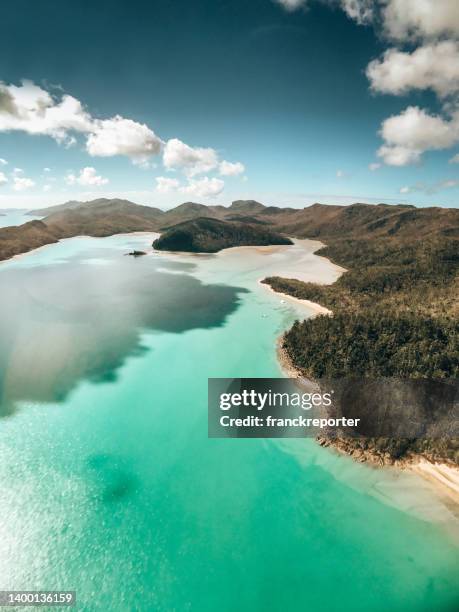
{"x":111,"y":486}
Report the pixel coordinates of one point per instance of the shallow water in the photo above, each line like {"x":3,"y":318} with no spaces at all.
{"x":111,"y":487}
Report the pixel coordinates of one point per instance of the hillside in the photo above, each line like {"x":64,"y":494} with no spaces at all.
{"x":91,"y":206}
{"x":23,"y":238}
{"x":43,"y":212}
{"x":104,"y":218}
{"x":206,"y":235}
{"x":396,"y":309}
{"x":101,"y":217}
{"x":188,"y":211}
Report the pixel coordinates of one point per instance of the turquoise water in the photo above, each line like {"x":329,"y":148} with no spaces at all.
{"x":111,"y":487}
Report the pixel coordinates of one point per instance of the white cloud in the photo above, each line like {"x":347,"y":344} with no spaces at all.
{"x":359,"y":10}
{"x":3,"y":162}
{"x":408,"y":135}
{"x":22,"y":183}
{"x":3,"y":179}
{"x":166,"y":185}
{"x":400,"y":19}
{"x":18,"y":171}
{"x":46,"y":169}
{"x":398,"y":156}
{"x":291,"y":5}
{"x":47,"y":187}
{"x":374,"y":166}
{"x":119,"y":136}
{"x":203,"y":188}
{"x":227,"y":168}
{"x":425,"y":19}
{"x":31,"y":109}
{"x":431,"y":189}
{"x":192,"y":160}
{"x":433,"y":67}
{"x":87,"y":177}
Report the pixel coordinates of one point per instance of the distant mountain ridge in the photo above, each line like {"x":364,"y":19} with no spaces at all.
{"x":105,"y":217}
{"x":315,"y":221}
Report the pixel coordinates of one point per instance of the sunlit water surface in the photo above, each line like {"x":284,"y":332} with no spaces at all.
{"x":111,"y":487}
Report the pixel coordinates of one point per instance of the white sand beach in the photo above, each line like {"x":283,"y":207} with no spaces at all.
{"x":444,"y":478}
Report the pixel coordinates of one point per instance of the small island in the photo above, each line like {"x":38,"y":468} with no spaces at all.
{"x":206,"y":235}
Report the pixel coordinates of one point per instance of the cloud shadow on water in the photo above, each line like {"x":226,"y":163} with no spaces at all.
{"x":62,"y":324}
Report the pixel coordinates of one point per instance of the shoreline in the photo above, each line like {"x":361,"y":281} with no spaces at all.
{"x":85,"y":236}
{"x":442,"y":478}
{"x":314,"y":306}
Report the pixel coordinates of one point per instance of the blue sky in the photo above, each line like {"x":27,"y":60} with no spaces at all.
{"x":214,"y":100}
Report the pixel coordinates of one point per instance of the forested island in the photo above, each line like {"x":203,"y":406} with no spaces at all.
{"x":395,"y":310}
{"x":206,"y":235}
{"x":395,"y":314}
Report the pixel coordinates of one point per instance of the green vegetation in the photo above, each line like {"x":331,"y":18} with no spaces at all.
{"x":395,"y":315}
{"x":375,"y":344}
{"x":417,"y":278}
{"x":206,"y":235}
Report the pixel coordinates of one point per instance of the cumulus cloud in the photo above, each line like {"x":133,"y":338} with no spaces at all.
{"x":32,"y":109}
{"x":166,"y":185}
{"x":3,"y":162}
{"x":433,"y":67}
{"x":401,"y":19}
{"x":227,"y":168}
{"x":361,"y":11}
{"x":21,"y":183}
{"x":434,"y":25}
{"x":191,"y":160}
{"x":87,"y":177}
{"x":408,"y":135}
{"x":3,"y":179}
{"x":203,"y":188}
{"x":421,"y":19}
{"x":119,"y":136}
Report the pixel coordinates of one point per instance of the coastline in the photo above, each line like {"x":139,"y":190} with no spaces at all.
{"x":81,"y":236}
{"x":316,"y":308}
{"x":442,"y":478}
